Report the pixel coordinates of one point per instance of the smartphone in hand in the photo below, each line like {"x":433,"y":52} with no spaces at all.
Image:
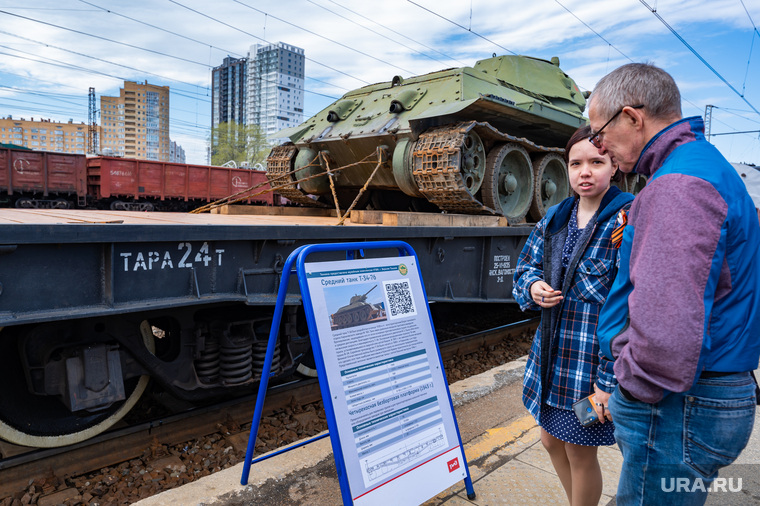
{"x":584,"y":410}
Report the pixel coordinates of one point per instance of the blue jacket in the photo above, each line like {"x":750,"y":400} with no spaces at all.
{"x":687,"y":295}
{"x":563,"y":360}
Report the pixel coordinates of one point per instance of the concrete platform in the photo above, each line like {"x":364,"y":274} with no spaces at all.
{"x":507,"y":462}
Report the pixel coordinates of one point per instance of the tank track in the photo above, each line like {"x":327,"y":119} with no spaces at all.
{"x":436,"y":169}
{"x":436,"y":164}
{"x":279,"y":166}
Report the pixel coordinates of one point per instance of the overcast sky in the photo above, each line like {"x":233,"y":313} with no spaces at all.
{"x":52,"y":52}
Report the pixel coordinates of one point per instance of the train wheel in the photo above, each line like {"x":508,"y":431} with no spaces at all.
{"x":60,"y":204}
{"x":43,"y":421}
{"x":551,"y":184}
{"x":508,"y":184}
{"x":25,"y":203}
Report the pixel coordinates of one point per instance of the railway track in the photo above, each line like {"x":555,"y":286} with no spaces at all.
{"x":20,"y":467}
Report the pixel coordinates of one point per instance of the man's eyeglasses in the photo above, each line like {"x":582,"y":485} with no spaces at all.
{"x":595,"y":139}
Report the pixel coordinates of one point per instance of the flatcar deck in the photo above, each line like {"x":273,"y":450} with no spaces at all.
{"x":70,"y":216}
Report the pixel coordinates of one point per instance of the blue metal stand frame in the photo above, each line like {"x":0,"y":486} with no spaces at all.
{"x":298,"y":257}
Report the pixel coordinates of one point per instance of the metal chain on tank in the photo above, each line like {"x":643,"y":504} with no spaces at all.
{"x":279,"y":163}
{"x":436,"y":168}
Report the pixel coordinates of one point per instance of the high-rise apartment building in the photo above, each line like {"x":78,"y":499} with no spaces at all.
{"x":228,"y":92}
{"x":136,"y":123}
{"x":275,"y":87}
{"x":44,"y":135}
{"x":176,"y":153}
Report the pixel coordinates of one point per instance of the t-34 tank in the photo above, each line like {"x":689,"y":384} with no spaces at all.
{"x":481,"y":139}
{"x":357,"y":311}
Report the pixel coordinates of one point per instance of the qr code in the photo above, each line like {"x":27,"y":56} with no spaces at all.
{"x":399,"y":296}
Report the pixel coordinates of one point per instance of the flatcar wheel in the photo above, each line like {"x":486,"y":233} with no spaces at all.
{"x":508,"y":184}
{"x":43,"y":421}
{"x":551,"y":184}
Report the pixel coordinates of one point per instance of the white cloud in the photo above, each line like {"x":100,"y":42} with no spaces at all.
{"x":543,"y":28}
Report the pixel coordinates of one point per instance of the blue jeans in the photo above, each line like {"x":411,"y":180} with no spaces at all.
{"x":672,"y":450}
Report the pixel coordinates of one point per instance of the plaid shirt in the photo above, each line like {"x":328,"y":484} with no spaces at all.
{"x":571,"y":360}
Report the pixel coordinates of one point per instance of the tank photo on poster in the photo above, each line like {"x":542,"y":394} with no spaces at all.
{"x":354,"y":305}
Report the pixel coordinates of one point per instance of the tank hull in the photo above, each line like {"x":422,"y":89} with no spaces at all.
{"x":370,"y":138}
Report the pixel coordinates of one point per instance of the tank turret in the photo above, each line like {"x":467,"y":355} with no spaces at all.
{"x":481,"y":139}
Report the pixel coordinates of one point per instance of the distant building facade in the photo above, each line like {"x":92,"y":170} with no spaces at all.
{"x":264,"y":89}
{"x":275,"y":87}
{"x":176,"y":153}
{"x":228,"y":92}
{"x":136,"y":123}
{"x":45,"y":135}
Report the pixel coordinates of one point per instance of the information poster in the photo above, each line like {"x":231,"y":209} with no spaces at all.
{"x":395,"y":422}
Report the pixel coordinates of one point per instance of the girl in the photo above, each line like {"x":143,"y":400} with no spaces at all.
{"x":565,"y":270}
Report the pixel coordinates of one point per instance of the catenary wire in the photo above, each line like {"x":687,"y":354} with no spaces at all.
{"x":699,"y":56}
{"x":393,"y":31}
{"x":320,"y":36}
{"x":462,"y":27}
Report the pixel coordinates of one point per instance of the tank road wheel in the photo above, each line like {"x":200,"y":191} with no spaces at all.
{"x":551,"y":184}
{"x":634,"y":183}
{"x":473,"y":166}
{"x":508,"y":184}
{"x":43,"y":421}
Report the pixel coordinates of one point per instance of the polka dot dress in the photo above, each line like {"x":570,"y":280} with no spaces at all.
{"x":573,"y":233}
{"x":564,"y":425}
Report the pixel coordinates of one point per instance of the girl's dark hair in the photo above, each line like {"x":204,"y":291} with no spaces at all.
{"x":581,"y":135}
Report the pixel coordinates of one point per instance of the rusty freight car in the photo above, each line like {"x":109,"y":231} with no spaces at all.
{"x":40,"y":179}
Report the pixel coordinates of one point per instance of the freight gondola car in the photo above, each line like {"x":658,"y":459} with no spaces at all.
{"x":40,"y":179}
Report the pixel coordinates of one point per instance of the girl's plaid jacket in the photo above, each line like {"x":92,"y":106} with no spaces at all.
{"x":564,"y":359}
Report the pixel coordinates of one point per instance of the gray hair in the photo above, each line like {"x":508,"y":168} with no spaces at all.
{"x":638,"y":83}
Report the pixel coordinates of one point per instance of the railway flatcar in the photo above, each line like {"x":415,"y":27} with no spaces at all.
{"x":39,"y":179}
{"x":95,"y":304}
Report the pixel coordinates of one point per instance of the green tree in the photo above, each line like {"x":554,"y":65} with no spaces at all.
{"x":258,"y":148}
{"x":238,"y":143}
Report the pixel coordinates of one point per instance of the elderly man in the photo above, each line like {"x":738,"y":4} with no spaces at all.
{"x":682,"y":320}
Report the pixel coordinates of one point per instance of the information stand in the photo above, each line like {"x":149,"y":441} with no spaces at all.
{"x":391,"y":422}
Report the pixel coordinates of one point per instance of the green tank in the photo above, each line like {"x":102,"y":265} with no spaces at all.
{"x":357,"y":311}
{"x":481,"y":139}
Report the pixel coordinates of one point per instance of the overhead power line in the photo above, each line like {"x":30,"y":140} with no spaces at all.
{"x":750,"y":18}
{"x":320,"y":36}
{"x":699,"y":56}
{"x":392,"y":31}
{"x":259,"y":38}
{"x":734,"y":133}
{"x":110,"y":11}
{"x":462,"y":27}
{"x":99,"y":59}
{"x":594,"y":31}
{"x":106,"y":39}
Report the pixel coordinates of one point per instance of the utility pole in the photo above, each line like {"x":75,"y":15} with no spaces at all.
{"x":92,"y":144}
{"x":708,"y":121}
